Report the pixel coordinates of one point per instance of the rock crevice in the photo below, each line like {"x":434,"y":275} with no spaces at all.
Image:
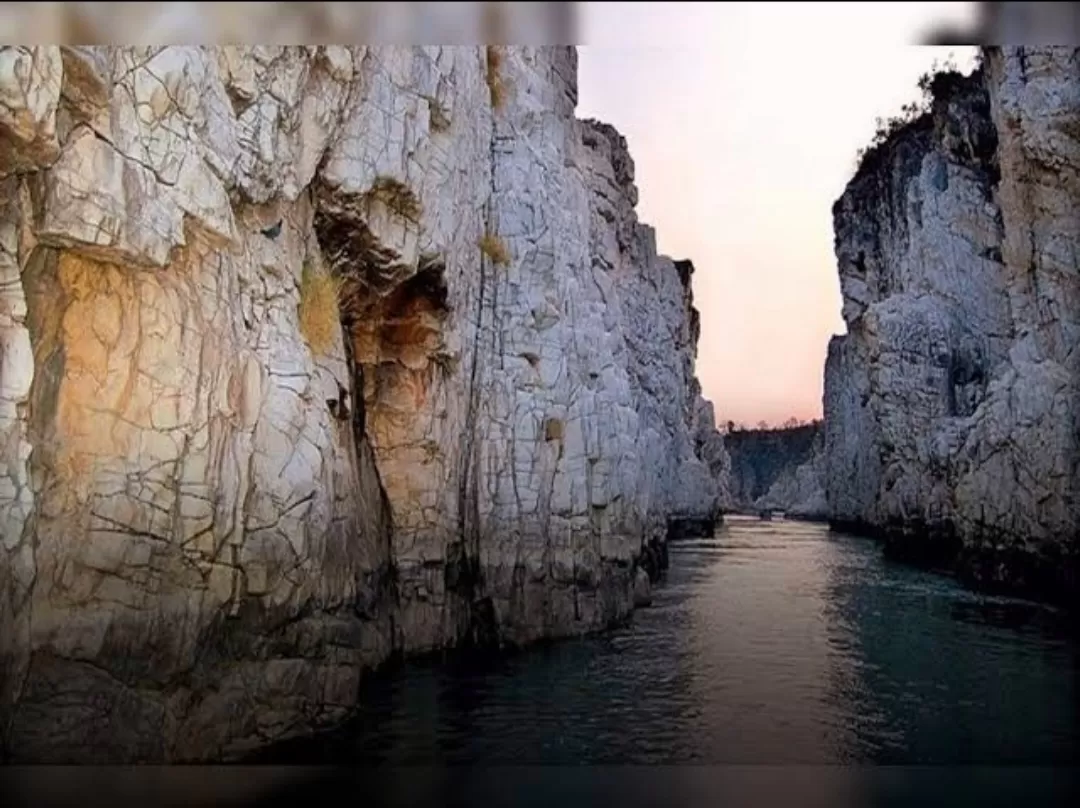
{"x":310,"y":356}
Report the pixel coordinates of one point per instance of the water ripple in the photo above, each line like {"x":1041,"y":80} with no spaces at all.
{"x":771,"y":642}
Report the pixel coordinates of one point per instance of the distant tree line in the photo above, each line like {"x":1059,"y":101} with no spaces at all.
{"x":764,"y":426}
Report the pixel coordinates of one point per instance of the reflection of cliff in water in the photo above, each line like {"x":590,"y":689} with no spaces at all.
{"x":948,"y":676}
{"x":768,"y":644}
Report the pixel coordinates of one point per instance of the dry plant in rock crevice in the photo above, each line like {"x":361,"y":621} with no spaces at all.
{"x":494,"y":248}
{"x":397,"y":197}
{"x":319,"y":311}
{"x":496,"y":83}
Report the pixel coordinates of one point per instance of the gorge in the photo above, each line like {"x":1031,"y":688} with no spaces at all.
{"x":950,"y":404}
{"x":313,"y":358}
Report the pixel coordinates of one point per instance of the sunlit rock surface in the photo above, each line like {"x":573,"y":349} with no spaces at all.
{"x":225,"y":491}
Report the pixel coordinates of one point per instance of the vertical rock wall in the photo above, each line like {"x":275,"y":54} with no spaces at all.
{"x":799,"y":490}
{"x":949,"y":404}
{"x":766,"y":459}
{"x":308,"y":356}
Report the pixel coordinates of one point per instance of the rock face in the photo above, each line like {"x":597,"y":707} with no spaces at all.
{"x":950,"y":404}
{"x":675,"y":446}
{"x":799,"y":490}
{"x":309,"y":356}
{"x":777,"y":468}
{"x":712,"y":450}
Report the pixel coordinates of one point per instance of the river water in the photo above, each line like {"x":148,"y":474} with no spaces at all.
{"x":770,"y":643}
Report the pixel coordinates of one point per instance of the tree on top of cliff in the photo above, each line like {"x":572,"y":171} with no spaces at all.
{"x":791,"y":425}
{"x":937,"y":69}
{"x":938,"y":82}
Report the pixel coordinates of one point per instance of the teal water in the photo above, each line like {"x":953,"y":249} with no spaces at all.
{"x":770,"y":643}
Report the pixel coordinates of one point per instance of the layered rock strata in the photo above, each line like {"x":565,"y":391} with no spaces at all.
{"x":310,"y":356}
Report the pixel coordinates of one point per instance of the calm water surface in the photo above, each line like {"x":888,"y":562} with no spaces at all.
{"x":770,"y":643}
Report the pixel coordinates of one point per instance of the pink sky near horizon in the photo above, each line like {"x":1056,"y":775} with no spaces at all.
{"x":744,"y":120}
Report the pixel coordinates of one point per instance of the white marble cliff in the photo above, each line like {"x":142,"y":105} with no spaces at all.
{"x":310,"y":356}
{"x":951,"y":403}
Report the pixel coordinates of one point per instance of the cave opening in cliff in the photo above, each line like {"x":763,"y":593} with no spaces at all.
{"x":392,"y":310}
{"x":396,"y":340}
{"x":394,"y":302}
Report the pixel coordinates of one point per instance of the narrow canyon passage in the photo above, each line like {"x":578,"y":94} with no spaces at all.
{"x":769,"y":643}
{"x":315,"y":359}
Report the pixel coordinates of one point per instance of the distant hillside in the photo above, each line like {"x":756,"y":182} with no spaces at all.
{"x":760,"y":456}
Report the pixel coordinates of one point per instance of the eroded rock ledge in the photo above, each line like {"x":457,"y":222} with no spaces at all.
{"x":310,"y":356}
{"x":951,"y":403}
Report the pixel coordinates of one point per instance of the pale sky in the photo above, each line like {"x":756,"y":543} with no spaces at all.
{"x":744,"y":120}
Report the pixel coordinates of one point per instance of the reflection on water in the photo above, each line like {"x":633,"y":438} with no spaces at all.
{"x":771,"y":643}
{"x":959,"y":677}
